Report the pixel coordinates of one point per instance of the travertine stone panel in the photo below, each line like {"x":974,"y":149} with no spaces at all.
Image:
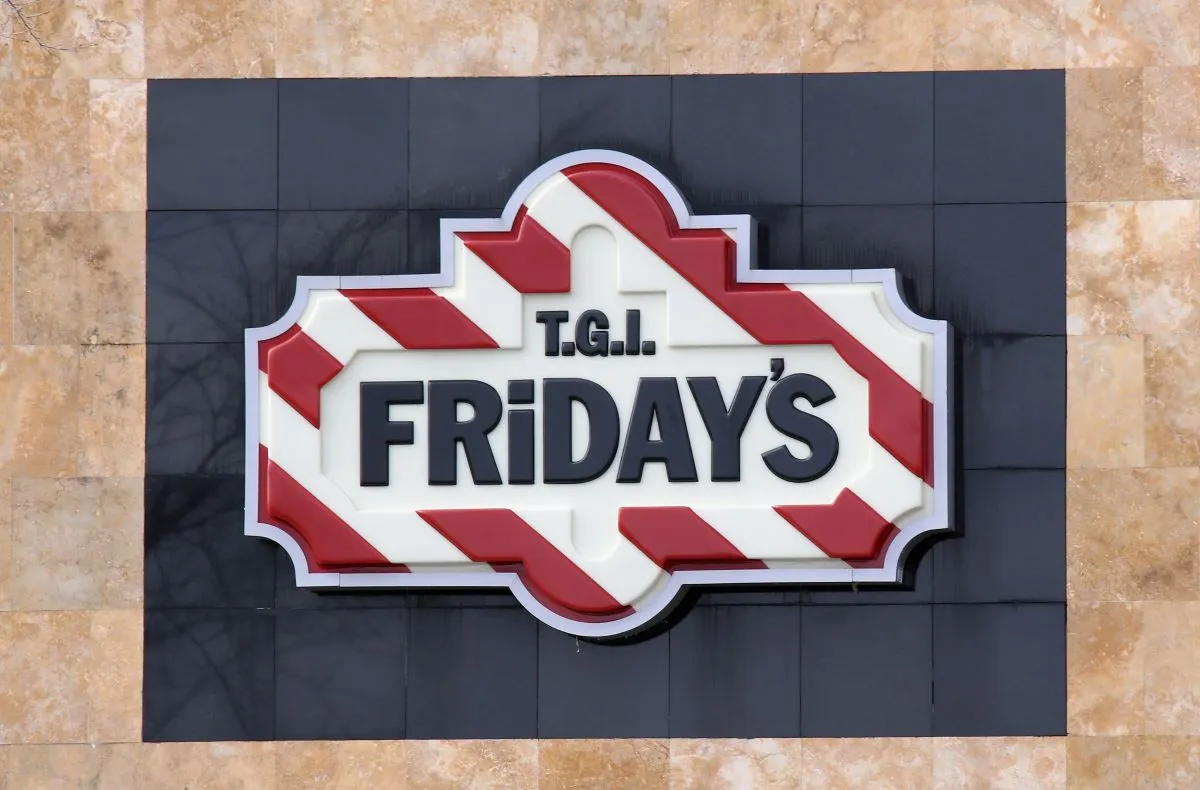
{"x":1106,"y":662}
{"x":114,"y":677}
{"x":1132,"y":534}
{"x":999,"y":34}
{"x":1000,"y":763}
{"x":704,"y":764}
{"x":117,"y":137}
{"x":1104,"y":134}
{"x":85,"y":38}
{"x":1172,"y":408}
{"x":44,"y":158}
{"x":1104,"y":763}
{"x":1171,"y":132}
{"x":112,"y":411}
{"x":7,"y":45}
{"x":77,"y":543}
{"x":1133,"y":267}
{"x":469,"y":37}
{"x":1169,"y":763}
{"x":70,"y":767}
{"x":7,"y":224}
{"x":1172,"y":675}
{"x":602,"y":765}
{"x":326,"y":38}
{"x":44,"y":697}
{"x":1104,"y":377}
{"x":39,"y":396}
{"x":214,"y":38}
{"x":5,"y":544}
{"x":869,"y":35}
{"x":878,"y":763}
{"x":605,"y":37}
{"x":80,"y":278}
{"x":732,"y":37}
{"x":212,"y":766}
{"x":341,"y":765}
{"x":487,"y":765}
{"x":1104,"y":33}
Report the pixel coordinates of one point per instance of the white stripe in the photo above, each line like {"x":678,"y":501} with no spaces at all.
{"x":760,"y":533}
{"x":342,"y":329}
{"x":402,"y":536}
{"x":862,"y":309}
{"x":888,"y":487}
{"x":485,"y":297}
{"x":692,"y":319}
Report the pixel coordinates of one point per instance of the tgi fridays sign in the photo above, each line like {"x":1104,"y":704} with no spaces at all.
{"x":596,"y":402}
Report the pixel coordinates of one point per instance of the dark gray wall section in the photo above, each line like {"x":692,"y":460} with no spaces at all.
{"x":956,"y":180}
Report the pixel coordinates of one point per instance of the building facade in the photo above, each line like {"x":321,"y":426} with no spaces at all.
{"x":1031,"y":171}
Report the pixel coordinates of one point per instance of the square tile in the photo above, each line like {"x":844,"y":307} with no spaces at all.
{"x":736,"y":139}
{"x":471,"y":141}
{"x":209,"y":275}
{"x":868,"y":138}
{"x":472,"y":673}
{"x":1002,"y":268}
{"x":1000,"y":669}
{"x":627,"y":114}
{"x":875,"y":237}
{"x":743,"y":595}
{"x":320,"y":243}
{"x":867,"y":671}
{"x":195,"y":409}
{"x":1001,"y":137}
{"x":343,"y":144}
{"x":735,"y":672}
{"x":212,"y":144}
{"x":196,"y":553}
{"x":916,"y":588}
{"x":209,"y":676}
{"x":340,"y":674}
{"x":590,"y":690}
{"x":1014,"y":403}
{"x":1012,"y":543}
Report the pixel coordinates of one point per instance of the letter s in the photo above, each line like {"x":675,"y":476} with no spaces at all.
{"x":819,"y":435}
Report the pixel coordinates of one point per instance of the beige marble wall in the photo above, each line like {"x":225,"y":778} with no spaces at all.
{"x":72,"y":390}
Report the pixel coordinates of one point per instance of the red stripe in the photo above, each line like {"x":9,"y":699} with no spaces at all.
{"x":676,"y":538}
{"x":772,"y":313}
{"x":878,"y":560}
{"x":297,"y":367}
{"x":330,"y":544}
{"x":419,"y":318}
{"x":504,"y":539}
{"x":528,"y":257}
{"x":849,"y":529}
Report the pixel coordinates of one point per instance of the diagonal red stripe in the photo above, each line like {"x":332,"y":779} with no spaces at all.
{"x":676,"y":538}
{"x":503,"y":538}
{"x":528,"y":257}
{"x":297,"y":367}
{"x":849,"y":529}
{"x":419,"y":318}
{"x":330,"y":544}
{"x":772,"y":313}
